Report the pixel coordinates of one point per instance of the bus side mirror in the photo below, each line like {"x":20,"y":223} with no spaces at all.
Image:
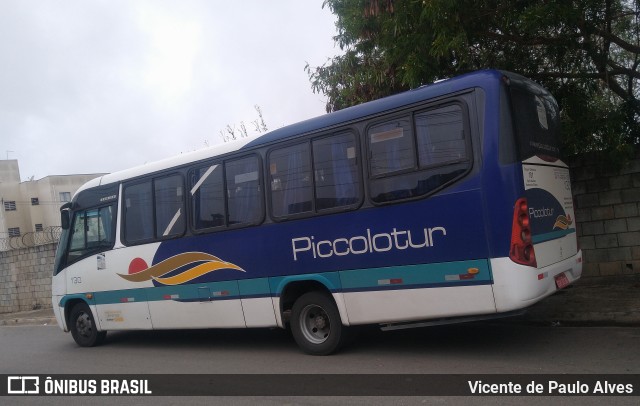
{"x":64,"y":219}
{"x":65,"y":213}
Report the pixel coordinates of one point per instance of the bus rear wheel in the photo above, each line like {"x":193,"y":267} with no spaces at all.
{"x":316,"y":325}
{"x":83,"y":327}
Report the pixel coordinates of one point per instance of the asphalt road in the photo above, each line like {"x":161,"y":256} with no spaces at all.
{"x":489,"y":348}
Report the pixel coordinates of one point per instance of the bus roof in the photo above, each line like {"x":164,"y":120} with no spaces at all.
{"x":327,"y":121}
{"x":361,"y":111}
{"x":167,"y":163}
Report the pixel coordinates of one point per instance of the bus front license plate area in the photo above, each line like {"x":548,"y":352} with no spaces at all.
{"x":562,"y":281}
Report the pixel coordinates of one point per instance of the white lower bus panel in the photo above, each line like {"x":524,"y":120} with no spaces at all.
{"x":58,"y":312}
{"x":200,"y":314}
{"x":123,"y":316}
{"x":517,"y":286}
{"x":405,"y":305}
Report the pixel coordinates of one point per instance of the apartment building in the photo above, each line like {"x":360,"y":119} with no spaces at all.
{"x":33,"y":205}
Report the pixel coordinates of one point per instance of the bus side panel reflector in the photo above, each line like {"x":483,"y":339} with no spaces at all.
{"x":394,"y":281}
{"x":459,"y":277}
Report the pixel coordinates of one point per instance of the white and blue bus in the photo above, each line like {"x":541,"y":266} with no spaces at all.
{"x":444,"y":203}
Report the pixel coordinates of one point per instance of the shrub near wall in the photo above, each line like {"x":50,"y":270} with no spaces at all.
{"x":25,"y":278}
{"x":608,"y":215}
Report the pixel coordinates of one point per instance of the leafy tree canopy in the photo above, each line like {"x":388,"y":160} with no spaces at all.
{"x":586,"y":52}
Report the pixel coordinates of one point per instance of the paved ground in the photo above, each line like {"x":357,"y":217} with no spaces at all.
{"x":610,"y":301}
{"x":593,"y":301}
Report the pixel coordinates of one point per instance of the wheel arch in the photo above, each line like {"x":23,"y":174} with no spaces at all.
{"x":288,"y":290}
{"x":70,"y":301}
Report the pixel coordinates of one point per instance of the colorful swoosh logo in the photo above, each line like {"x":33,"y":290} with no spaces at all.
{"x":195,"y":264}
{"x":563,"y":222}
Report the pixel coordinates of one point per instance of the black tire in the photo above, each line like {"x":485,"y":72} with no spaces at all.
{"x":83,"y":327}
{"x":316,"y":325}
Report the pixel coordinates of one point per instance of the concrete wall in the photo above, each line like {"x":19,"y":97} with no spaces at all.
{"x":608,"y":215}
{"x":25,"y":278}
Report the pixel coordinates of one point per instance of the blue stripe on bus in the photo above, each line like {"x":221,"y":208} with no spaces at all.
{"x":331,"y":280}
{"x":421,"y":286}
{"x":425,"y":275}
{"x":462,"y":273}
{"x":83,"y":296}
{"x":121,"y":296}
{"x":258,"y":287}
{"x":552,"y":235}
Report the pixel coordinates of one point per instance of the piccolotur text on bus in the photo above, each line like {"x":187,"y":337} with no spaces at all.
{"x":365,"y":244}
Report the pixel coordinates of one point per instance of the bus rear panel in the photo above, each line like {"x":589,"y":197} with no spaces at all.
{"x":543,"y":254}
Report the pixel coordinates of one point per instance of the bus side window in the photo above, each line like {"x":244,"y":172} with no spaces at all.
{"x":391,"y":147}
{"x":336,"y":171}
{"x":77,"y":240}
{"x":391,"y":155}
{"x":291,"y":182}
{"x":208,"y":197}
{"x":439,"y":143}
{"x":98,"y":228}
{"x":92,"y":232}
{"x":244,"y":198}
{"x":440,"y":134}
{"x":169,"y":205}
{"x":138,"y":223}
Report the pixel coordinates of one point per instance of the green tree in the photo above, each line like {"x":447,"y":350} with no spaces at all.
{"x":585,"y":51}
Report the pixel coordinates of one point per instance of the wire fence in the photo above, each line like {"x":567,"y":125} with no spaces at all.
{"x":47,"y":236}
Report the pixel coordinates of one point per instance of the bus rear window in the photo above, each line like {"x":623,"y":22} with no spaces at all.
{"x":536,"y":121}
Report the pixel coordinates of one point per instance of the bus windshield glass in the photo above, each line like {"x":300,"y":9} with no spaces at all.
{"x":537,"y":121}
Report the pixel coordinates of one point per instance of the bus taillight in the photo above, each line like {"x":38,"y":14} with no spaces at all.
{"x":577,"y":231}
{"x":522,"y":251}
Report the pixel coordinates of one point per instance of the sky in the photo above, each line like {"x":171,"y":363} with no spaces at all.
{"x":93,"y":86}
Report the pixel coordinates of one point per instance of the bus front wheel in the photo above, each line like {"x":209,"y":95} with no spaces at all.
{"x":316,"y":325}
{"x":83,"y":327}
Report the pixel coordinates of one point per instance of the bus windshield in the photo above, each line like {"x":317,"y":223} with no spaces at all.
{"x":537,"y":121}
